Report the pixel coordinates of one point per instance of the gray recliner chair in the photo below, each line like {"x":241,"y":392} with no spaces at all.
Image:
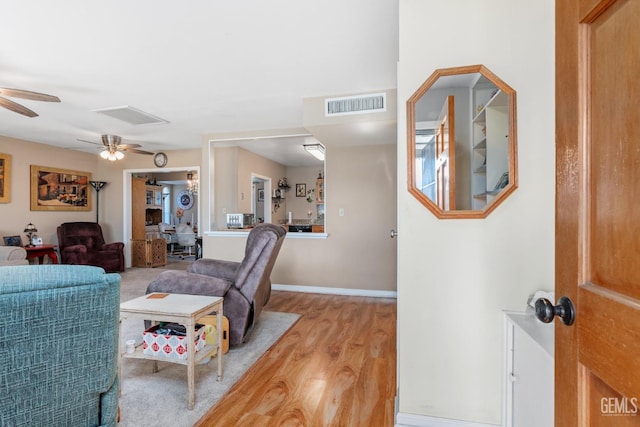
{"x":245,"y":285}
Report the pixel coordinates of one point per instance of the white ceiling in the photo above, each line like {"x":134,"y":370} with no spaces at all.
{"x":205,"y":66}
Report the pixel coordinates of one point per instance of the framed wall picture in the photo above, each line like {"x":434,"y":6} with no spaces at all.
{"x":12,"y":241}
{"x":301,"y":190}
{"x":54,"y":189}
{"x":5,"y":178}
{"x":261,"y":195}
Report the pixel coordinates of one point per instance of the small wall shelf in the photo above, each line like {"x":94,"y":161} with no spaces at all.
{"x":283,"y":185}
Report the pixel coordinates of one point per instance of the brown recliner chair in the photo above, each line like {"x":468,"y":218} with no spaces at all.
{"x":245,"y":285}
{"x":82,"y":243}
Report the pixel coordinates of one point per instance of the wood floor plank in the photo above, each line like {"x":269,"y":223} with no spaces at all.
{"x":334,"y":367}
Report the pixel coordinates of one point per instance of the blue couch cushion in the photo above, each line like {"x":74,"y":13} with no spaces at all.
{"x":58,"y":345}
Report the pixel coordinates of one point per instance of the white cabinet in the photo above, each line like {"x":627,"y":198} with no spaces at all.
{"x":529,"y":371}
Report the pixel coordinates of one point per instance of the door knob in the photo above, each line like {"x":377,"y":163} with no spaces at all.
{"x":394,"y":233}
{"x":546,"y":311}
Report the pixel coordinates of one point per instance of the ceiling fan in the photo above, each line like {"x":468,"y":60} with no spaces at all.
{"x":113,"y":148}
{"x":23,"y":94}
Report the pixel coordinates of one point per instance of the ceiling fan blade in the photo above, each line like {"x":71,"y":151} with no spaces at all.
{"x":15,"y":107}
{"x":134,"y":150}
{"x":112,"y":142}
{"x":27,"y":94}
{"x":85,"y":149}
{"x":89,"y":142}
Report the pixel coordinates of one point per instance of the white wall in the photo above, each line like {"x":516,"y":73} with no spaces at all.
{"x":298,"y":206}
{"x":17,"y":213}
{"x":456,"y":276}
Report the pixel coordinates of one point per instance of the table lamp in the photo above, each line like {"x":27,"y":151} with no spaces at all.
{"x":30,"y":229}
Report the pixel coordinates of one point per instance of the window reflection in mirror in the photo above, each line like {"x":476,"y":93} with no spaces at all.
{"x":273,"y":178}
{"x":462,"y":142}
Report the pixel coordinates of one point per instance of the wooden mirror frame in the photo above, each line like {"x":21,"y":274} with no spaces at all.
{"x":512,"y":145}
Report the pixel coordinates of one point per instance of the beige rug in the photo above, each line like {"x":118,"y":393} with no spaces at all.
{"x":160,"y":399}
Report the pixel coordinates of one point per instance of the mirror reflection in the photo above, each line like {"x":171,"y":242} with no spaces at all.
{"x":462,"y":142}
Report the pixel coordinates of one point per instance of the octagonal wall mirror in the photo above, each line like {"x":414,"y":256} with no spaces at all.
{"x":461,"y":136}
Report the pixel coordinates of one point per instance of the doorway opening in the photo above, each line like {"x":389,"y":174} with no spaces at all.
{"x":261,"y":197}
{"x":176,"y":181}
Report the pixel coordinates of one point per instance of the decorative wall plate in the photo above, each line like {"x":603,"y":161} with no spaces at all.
{"x":184,"y":200}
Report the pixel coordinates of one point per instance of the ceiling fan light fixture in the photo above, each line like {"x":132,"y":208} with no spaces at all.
{"x":112,"y":155}
{"x":111,"y":140}
{"x":316,"y":150}
{"x":112,"y":149}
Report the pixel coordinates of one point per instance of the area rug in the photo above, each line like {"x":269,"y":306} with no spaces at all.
{"x":161,"y":399}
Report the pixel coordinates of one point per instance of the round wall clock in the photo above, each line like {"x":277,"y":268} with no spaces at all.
{"x":160,"y":160}
{"x":184,"y":200}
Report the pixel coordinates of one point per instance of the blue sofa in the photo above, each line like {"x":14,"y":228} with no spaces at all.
{"x":58,"y":345}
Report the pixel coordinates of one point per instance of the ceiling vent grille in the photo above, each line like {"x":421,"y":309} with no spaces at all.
{"x":359,"y":104}
{"x":130,"y":115}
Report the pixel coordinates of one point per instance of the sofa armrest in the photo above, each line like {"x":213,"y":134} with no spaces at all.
{"x":14,"y":262}
{"x":109,"y":405}
{"x":115,"y":246}
{"x":74,"y":254}
{"x":215,"y":268}
{"x":76,"y":251}
{"x":12,"y":253}
{"x":184,"y":282}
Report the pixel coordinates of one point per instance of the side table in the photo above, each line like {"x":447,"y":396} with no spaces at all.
{"x":42,"y":250}
{"x":182,"y":309}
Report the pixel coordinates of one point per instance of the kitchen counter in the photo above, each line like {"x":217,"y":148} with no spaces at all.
{"x":305,"y":228}
{"x":317,"y":232}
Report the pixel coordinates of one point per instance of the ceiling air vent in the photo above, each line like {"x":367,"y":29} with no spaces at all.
{"x":359,"y":104}
{"x":130,"y":115}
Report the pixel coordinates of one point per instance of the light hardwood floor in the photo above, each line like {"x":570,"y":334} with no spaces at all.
{"x":335,"y":367}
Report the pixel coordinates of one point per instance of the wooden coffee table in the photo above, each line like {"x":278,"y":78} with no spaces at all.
{"x":182,"y":309}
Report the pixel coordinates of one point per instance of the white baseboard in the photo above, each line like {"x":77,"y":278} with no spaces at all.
{"x":335,"y":291}
{"x":412,"y":420}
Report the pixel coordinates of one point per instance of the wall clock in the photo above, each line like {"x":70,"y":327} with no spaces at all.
{"x":160,"y":160}
{"x":184,"y":200}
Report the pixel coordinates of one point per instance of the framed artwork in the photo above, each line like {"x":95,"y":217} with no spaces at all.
{"x":54,"y":189}
{"x":5,"y":178}
{"x":301,"y":190}
{"x":12,"y":241}
{"x":261,"y":195}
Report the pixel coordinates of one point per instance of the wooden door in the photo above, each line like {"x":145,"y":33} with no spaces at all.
{"x":598,"y":211}
{"x":138,"y":205}
{"x":446,"y":157}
